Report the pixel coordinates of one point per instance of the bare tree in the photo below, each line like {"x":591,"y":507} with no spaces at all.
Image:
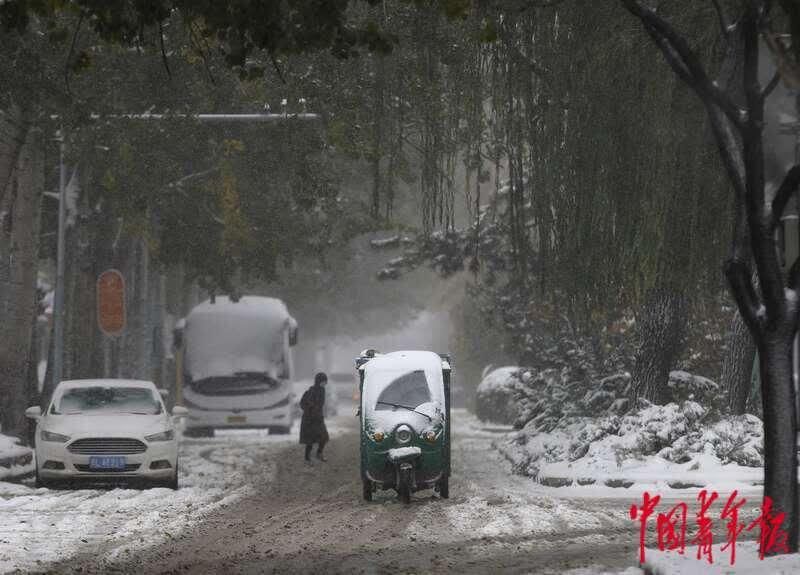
{"x":770,"y":312}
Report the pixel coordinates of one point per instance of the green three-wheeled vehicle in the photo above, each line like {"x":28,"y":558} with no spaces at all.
{"x":405,"y":422}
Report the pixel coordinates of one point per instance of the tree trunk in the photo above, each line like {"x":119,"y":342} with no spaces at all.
{"x":13,"y":134}
{"x":737,"y":366}
{"x":16,"y":330}
{"x":661,"y":334}
{"x":780,"y":441}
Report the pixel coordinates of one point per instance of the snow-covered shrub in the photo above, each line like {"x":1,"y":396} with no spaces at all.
{"x":546,"y":397}
{"x":495,"y":398}
{"x":16,"y":460}
{"x":738,"y":439}
{"x":684,"y":386}
{"x":655,"y":428}
{"x":676,"y":432}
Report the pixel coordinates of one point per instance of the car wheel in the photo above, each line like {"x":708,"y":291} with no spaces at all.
{"x":444,"y":487}
{"x":367,"y":489}
{"x":47,"y":483}
{"x":173,"y":482}
{"x":280,"y":430}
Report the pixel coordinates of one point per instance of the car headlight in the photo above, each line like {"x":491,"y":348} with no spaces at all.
{"x":54,"y":437}
{"x":403,"y":434}
{"x":167,"y":435}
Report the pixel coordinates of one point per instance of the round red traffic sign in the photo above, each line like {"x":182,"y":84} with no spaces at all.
{"x":111,"y":302}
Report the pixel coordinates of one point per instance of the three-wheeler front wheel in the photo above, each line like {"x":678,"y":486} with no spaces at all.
{"x":444,"y":487}
{"x":404,"y":491}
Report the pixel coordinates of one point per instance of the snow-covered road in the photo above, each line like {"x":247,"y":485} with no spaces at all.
{"x":40,"y":526}
{"x":248,"y":505}
{"x":246,"y":499}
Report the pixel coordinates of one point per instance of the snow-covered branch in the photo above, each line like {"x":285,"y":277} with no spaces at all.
{"x":684,"y":60}
{"x":788,"y":187}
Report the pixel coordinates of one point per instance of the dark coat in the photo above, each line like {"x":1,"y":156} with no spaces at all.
{"x":312,"y":425}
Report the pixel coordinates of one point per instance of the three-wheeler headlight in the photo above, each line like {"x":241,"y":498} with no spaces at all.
{"x":430,"y":436}
{"x":403,"y":434}
{"x":378,"y":436}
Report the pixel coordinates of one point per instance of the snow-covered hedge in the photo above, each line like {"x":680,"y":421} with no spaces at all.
{"x":567,"y":429}
{"x":495,"y":398}
{"x":674,"y":433}
{"x":15,"y":460}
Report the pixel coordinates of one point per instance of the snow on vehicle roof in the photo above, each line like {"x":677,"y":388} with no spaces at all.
{"x":226,"y":337}
{"x":73,"y":383}
{"x":400,"y":360}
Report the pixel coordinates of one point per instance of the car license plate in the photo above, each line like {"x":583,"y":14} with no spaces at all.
{"x":107,"y":462}
{"x":237,"y":419}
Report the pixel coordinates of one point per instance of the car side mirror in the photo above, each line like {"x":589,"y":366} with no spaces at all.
{"x":180,"y":411}
{"x":34,"y":412}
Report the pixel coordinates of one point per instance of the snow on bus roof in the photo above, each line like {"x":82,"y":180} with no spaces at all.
{"x":248,"y":306}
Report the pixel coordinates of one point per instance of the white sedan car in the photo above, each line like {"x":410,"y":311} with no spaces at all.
{"x":103,"y":429}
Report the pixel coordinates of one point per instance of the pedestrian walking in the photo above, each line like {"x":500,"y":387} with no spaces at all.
{"x":312,"y":424}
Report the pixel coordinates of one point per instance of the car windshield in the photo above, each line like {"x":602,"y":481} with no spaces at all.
{"x":409,"y":391}
{"x":98,"y":399}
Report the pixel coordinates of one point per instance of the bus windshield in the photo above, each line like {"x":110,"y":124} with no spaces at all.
{"x":242,"y":383}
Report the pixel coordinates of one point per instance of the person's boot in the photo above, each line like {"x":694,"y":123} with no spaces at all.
{"x":321,"y":457}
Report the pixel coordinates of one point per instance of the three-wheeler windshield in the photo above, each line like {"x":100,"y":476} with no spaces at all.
{"x":409,"y":390}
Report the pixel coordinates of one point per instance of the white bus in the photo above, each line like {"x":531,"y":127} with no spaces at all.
{"x":237,"y":367}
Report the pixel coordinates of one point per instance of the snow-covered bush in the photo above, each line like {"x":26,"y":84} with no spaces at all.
{"x":15,"y":460}
{"x":684,"y":386}
{"x":495,"y":398}
{"x":545,"y":397}
{"x":676,"y":432}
